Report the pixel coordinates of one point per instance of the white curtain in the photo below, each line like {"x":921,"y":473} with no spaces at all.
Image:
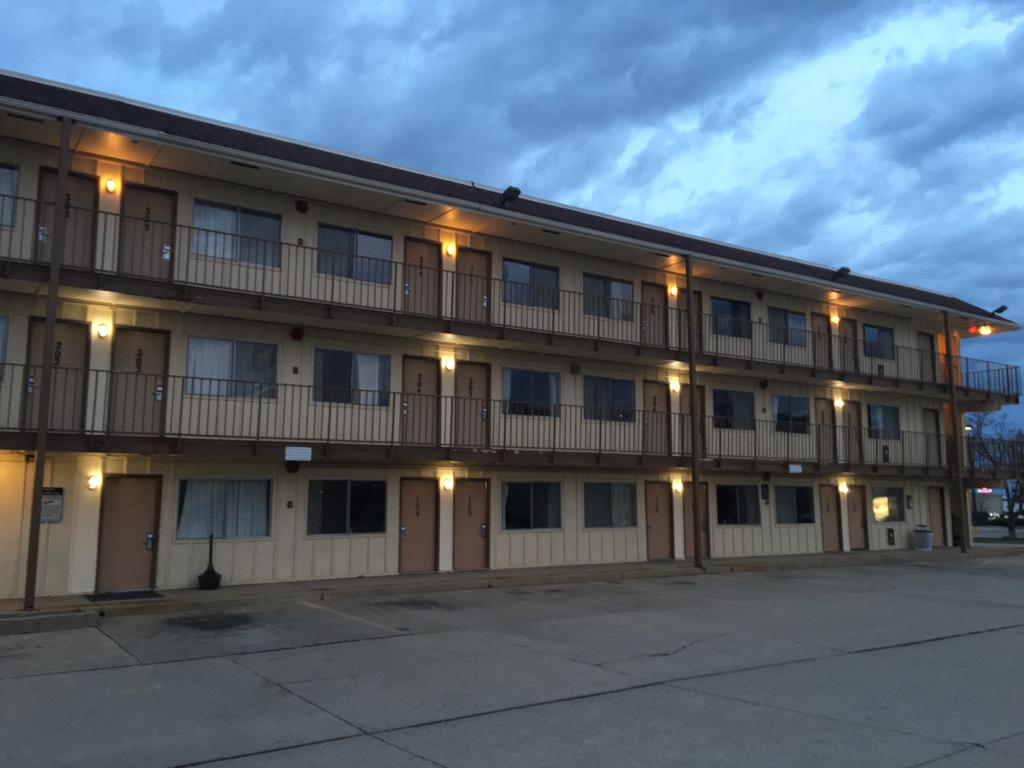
{"x":210,"y":366}
{"x":369,"y":379}
{"x":225,"y":508}
{"x":215,"y":231}
{"x":373,"y":258}
{"x":623,"y":505}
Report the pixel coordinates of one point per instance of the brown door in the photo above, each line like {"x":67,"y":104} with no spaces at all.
{"x":857,"y":514}
{"x":138,"y":382}
{"x":831,"y":538}
{"x":847,"y":341}
{"x":937,"y":516}
{"x":853,"y":433}
{"x":658,"y":506}
{"x":653,"y":315}
{"x":470,"y":510}
{"x":821,"y":341}
{"x":70,"y":356}
{"x":657,"y":435}
{"x":472,"y":405}
{"x":826,"y":428}
{"x":420,"y":401}
{"x":688,"y":549}
{"x":473,"y":286}
{"x":79,"y":211}
{"x":926,"y":353}
{"x":417,"y":549}
{"x":933,"y":438}
{"x":129,"y":522}
{"x":146,"y":242}
{"x":422,"y":278}
{"x":701,"y":421}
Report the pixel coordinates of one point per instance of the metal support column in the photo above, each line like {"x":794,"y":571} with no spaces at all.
{"x":958,"y":439}
{"x":691,"y":344}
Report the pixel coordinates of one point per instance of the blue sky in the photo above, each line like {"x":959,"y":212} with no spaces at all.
{"x":884,"y":136}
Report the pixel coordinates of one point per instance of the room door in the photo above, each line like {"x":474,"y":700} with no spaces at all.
{"x":473,"y":286}
{"x":937,"y":515}
{"x":926,"y":353}
{"x":79,"y":211}
{"x":847,"y":340}
{"x":129,"y":523}
{"x":658,"y":509}
{"x":421,"y":286}
{"x":857,"y":514}
{"x":417,"y":531}
{"x":146,"y":240}
{"x":655,"y":415}
{"x":825,"y":410}
{"x":653,"y":315}
{"x":70,"y":355}
{"x":470,"y":528}
{"x":688,"y":548}
{"x":853,"y":437}
{"x":472,"y":405}
{"x":684,"y":404}
{"x":821,"y":342}
{"x":831,"y":538}
{"x":420,"y":387}
{"x":138,"y":382}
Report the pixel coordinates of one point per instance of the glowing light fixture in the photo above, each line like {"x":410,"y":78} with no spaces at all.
{"x":93,"y":481}
{"x":450,"y":249}
{"x":985,"y":330}
{"x":110,"y":185}
{"x":674,"y":385}
{"x":677,"y":486}
{"x":447,"y":482}
{"x":843,"y":487}
{"x":839,"y":402}
{"x":968,"y":428}
{"x":448,"y":363}
{"x":673,"y":291}
{"x":102,"y":330}
{"x":834,"y":319}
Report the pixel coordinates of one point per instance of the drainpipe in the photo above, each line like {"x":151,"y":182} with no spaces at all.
{"x":46,"y":375}
{"x":691,"y":343}
{"x":958,"y":439}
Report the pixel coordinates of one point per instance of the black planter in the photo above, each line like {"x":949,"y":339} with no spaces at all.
{"x":209,"y":579}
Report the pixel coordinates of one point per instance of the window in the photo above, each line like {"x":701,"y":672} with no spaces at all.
{"x":785,"y":327}
{"x":608,"y":399}
{"x":531,"y":505}
{"x":738,"y":505}
{"x":605,"y":297}
{"x":879,"y":342}
{"x":887,"y":504}
{"x":530,"y":285}
{"x":794,"y":504}
{"x":346,"y":506}
{"x":733,"y":410}
{"x":730,"y":318}
{"x":884,"y":422}
{"x":609,"y":505}
{"x":347,"y":253}
{"x":225,"y":509}
{"x":8,"y":193}
{"x":236,"y":234}
{"x":348,"y":377}
{"x":792,"y":414}
{"x":529,"y":393}
{"x":231,"y":368}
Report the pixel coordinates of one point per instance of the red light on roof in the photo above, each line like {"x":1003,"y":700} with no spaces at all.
{"x":973,"y":329}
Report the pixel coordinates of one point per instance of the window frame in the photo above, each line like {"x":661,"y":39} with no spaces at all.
{"x":611,"y":523}
{"x":791,"y":426}
{"x":732,"y":421}
{"x":540,"y":408}
{"x":734,"y":487}
{"x":349,"y":483}
{"x":271,"y":259}
{"x":783,"y":333}
{"x":269,"y":497}
{"x":232,"y":387}
{"x":350,"y":261}
{"x":890,"y":492}
{"x":506,"y":484}
{"x":797,"y":490}
{"x":884,"y":430}
{"x":879,"y":348}
{"x":729,"y":324}
{"x":530,"y":293}
{"x":606,"y":304}
{"x":382,"y":396}
{"x":609,"y":411}
{"x":9,"y":202}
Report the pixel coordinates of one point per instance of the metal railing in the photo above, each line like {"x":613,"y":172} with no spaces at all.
{"x":129,"y":404}
{"x":983,"y":454}
{"x":112,"y":243}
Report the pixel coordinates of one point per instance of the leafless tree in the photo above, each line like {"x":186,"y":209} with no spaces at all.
{"x":993,"y":443}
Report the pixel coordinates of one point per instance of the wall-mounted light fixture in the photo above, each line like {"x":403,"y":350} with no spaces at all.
{"x":834,"y":318}
{"x":673,"y":290}
{"x":677,"y":486}
{"x":985,"y":330}
{"x":110,"y":184}
{"x":93,"y":481}
{"x":839,"y":402}
{"x":448,"y":362}
{"x":102,"y":330}
{"x":450,"y":248}
{"x":674,"y":385}
{"x":843,"y":487}
{"x":447,"y":482}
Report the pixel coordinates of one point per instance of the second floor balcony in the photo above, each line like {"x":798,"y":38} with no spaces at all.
{"x":417,"y":285}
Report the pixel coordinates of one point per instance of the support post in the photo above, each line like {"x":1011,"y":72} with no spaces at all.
{"x":958,"y":439}
{"x":45,"y":394}
{"x":691,"y":344}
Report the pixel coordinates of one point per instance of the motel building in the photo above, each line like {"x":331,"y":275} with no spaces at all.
{"x":341,"y":368}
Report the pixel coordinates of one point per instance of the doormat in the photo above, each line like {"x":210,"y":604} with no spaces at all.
{"x":138,"y":594}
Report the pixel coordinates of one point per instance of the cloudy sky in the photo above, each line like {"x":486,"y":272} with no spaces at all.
{"x":886,"y":136}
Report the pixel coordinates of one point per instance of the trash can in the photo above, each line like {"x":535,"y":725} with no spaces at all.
{"x":922,"y":539}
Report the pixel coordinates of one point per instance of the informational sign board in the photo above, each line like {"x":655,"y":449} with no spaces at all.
{"x":796,"y":469}
{"x":52,"y":506}
{"x":298,"y":453}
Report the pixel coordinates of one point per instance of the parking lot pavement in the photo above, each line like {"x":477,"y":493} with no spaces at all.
{"x":889,"y":665}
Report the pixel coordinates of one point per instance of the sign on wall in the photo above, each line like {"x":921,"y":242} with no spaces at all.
{"x":52,"y":506}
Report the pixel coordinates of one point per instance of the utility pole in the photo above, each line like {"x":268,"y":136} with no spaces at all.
{"x":45,"y":391}
{"x":958,"y":436}
{"x":691,"y":342}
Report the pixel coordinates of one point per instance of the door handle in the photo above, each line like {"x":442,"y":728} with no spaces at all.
{"x":149,"y":542}
{"x":405,"y":407}
{"x":158,"y":395}
{"x":406,"y":289}
{"x":486,"y":301}
{"x":30,"y":384}
{"x":401,"y":531}
{"x":41,"y":233}
{"x":483,"y":413}
{"x":483,"y":530}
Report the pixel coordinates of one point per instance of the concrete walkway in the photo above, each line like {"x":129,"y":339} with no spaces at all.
{"x":900,"y":664}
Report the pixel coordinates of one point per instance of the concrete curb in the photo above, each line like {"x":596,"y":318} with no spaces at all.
{"x":27,"y":623}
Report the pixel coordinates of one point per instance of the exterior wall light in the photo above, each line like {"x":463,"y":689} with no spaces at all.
{"x":677,"y":486}
{"x":102,"y":330}
{"x":985,"y":330}
{"x":110,"y":185}
{"x":448,"y":363}
{"x":447,"y":482}
{"x":674,"y":385}
{"x":673,"y":291}
{"x":843,"y":487}
{"x":834,"y":319}
{"x":839,"y":402}
{"x":93,"y":481}
{"x":450,"y":249}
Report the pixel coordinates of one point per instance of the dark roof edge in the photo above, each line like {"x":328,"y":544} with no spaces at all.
{"x":164,"y":124}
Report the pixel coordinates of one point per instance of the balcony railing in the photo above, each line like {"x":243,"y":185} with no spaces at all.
{"x":115,"y":404}
{"x":985,"y":455}
{"x":109,"y":243}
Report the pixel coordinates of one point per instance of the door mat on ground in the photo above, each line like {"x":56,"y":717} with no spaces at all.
{"x":138,"y":594}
